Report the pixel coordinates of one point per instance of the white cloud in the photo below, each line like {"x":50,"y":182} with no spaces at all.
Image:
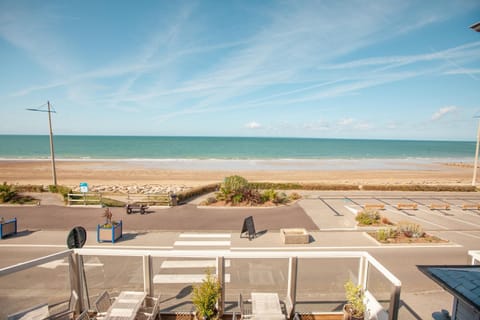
{"x":443,"y":111}
{"x":346,"y":121}
{"x":253,"y":125}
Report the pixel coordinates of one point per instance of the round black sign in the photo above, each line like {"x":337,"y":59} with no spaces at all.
{"x":76,"y":238}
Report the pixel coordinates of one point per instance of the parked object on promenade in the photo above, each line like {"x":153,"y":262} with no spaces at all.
{"x":111,"y":230}
{"x":131,"y":208}
{"x":7,"y":227}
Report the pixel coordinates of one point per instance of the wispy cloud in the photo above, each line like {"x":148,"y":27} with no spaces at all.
{"x":299,"y":56}
{"x":253,"y":125}
{"x":443,"y":112}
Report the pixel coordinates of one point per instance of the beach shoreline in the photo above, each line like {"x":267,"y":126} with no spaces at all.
{"x":193,"y":173}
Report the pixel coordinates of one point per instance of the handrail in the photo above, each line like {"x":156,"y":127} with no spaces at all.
{"x":475,"y":254}
{"x":366,"y":261}
{"x":33,"y":263}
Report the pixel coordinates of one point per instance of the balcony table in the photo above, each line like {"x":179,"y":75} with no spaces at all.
{"x":126,"y":305}
{"x":266,"y":306}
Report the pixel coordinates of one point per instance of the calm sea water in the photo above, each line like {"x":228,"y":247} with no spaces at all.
{"x":134,"y":147}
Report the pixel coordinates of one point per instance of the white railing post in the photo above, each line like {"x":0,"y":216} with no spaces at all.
{"x":292,"y":279}
{"x":363,"y":272}
{"x":148,"y":275}
{"x":394,"y":303}
{"x":221,"y":279}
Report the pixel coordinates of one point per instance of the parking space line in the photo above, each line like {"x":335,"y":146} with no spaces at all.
{"x":452,"y":218}
{"x":416,"y":218}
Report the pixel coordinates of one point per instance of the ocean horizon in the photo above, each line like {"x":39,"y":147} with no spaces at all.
{"x":170,"y":148}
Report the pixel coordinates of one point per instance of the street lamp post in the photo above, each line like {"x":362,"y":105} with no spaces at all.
{"x":476,"y":27}
{"x":52,"y":152}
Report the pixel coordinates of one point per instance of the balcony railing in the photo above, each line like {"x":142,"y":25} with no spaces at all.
{"x":312,"y":280}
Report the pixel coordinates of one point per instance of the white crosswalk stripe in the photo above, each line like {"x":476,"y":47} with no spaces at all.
{"x":192,"y":264}
{"x":171,"y":270}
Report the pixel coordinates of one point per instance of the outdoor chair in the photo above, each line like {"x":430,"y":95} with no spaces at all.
{"x":102,"y":304}
{"x":245,"y":308}
{"x":68,"y":313}
{"x":83,"y":316}
{"x":288,"y":307}
{"x":150,"y":309}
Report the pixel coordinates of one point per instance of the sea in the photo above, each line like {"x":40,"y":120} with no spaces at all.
{"x":238,"y":152}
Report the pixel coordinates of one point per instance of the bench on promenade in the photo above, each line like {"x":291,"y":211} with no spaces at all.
{"x":374,"y":206}
{"x":471,"y":206}
{"x":439,"y":206}
{"x":407,"y":206}
{"x":8,"y":227}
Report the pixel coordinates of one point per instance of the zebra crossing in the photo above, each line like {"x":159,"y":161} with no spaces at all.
{"x":192,"y":270}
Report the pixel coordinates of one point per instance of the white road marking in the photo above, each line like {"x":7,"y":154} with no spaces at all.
{"x":192,"y":264}
{"x":183,"y":278}
{"x":205,"y":235}
{"x":467,"y":234}
{"x":417,"y":218}
{"x":202,"y":243}
{"x":381,"y":246}
{"x":352,"y":210}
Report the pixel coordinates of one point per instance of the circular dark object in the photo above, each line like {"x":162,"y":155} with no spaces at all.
{"x":76,"y":238}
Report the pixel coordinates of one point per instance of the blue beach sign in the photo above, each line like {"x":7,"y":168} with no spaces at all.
{"x":83,"y":187}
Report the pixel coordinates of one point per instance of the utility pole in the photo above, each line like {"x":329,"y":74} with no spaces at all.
{"x":52,"y":152}
{"x":476,"y":27}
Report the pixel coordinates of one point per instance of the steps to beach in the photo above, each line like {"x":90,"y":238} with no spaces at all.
{"x":193,"y":270}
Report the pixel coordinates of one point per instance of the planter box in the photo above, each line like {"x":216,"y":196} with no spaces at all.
{"x":109,"y":234}
{"x":295,"y":236}
{"x":8,"y":227}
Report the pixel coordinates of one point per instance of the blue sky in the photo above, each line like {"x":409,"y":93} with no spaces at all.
{"x":326,"y":69}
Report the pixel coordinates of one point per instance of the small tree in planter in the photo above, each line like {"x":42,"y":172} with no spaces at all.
{"x":355,"y":307}
{"x":110,"y":230}
{"x":205,"y":297}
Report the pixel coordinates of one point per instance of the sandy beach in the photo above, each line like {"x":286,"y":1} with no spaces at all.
{"x":125,"y":173}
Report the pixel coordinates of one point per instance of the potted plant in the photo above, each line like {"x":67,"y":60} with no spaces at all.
{"x":111,"y":230}
{"x":354,"y":309}
{"x":205,"y":297}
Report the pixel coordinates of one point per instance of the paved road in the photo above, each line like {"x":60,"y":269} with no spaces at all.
{"x":328,"y":216}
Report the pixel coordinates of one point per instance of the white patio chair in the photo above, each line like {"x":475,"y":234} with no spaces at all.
{"x":245,"y":308}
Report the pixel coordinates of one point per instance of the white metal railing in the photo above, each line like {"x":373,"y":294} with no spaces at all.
{"x":366,"y":261}
{"x":475,"y":254}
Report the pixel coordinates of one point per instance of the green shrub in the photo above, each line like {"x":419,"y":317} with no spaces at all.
{"x":295,"y":196}
{"x":368,"y":217}
{"x":7,"y":192}
{"x":280,"y":198}
{"x":233,"y":189}
{"x":30,"y":188}
{"x":205,"y":296}
{"x":63,"y":190}
{"x":196,"y":192}
{"x":269,"y":195}
{"x":385,"y":234}
{"x":355,"y":297}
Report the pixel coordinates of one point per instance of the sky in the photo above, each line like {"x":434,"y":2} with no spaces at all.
{"x":322,"y":69}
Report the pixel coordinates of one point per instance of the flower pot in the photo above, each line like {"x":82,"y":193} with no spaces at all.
{"x":110,"y":233}
{"x":347,"y":313}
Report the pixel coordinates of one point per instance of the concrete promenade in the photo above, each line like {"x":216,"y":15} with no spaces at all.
{"x":327,"y":215}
